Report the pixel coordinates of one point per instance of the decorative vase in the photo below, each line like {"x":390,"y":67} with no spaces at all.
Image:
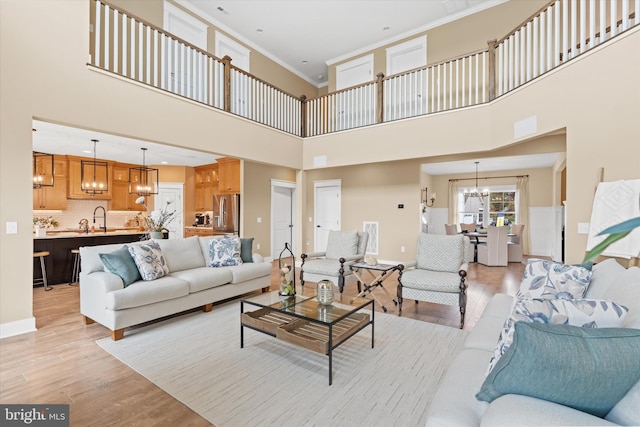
{"x":325,"y":292}
{"x":156,"y":234}
{"x":41,"y":232}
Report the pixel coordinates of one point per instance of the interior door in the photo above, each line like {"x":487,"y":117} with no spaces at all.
{"x":327,"y":207}
{"x":282,"y":218}
{"x":171,"y":192}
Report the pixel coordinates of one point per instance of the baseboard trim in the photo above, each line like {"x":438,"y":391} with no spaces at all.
{"x":17,"y":327}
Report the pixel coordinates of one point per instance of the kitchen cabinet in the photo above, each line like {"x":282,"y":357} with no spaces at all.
{"x":198,"y":231}
{"x":206,"y":186}
{"x":121,"y":200}
{"x":53,"y":198}
{"x":229,"y":175}
{"x":74,"y":181}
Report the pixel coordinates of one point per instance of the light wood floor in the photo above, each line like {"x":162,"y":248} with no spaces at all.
{"x":61,"y":363}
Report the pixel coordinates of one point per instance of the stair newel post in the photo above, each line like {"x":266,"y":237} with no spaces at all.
{"x":380,"y":96}
{"x":226,"y":61}
{"x":492,"y":68}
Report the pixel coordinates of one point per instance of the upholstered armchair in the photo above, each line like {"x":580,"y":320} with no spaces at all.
{"x":343,"y":249}
{"x":438,"y":273}
{"x":514,"y":247}
{"x":494,"y":252}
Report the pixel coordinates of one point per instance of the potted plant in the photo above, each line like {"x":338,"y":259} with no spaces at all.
{"x":41,"y":224}
{"x":156,"y":222}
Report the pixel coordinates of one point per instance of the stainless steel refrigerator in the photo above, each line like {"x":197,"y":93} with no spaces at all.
{"x":226,"y":213}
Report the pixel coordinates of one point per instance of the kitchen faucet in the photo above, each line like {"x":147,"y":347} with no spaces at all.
{"x":104,"y":218}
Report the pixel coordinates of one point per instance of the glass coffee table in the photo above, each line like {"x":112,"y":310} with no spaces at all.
{"x":303,"y":321}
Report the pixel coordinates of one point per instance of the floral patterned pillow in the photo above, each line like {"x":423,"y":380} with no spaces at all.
{"x":553,"y":280}
{"x":225,"y":252}
{"x":587,"y":313}
{"x":149,"y":260}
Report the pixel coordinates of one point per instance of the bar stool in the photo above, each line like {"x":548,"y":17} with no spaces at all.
{"x":42,"y":280}
{"x":75,"y":275}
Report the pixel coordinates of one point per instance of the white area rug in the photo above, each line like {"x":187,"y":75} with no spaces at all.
{"x":198,"y":360}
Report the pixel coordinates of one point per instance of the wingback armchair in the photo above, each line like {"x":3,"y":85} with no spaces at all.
{"x":343,"y":249}
{"x":438,"y":274}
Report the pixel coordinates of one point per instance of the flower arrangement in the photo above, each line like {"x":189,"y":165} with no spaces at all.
{"x":45,"y":222}
{"x":159,"y":219}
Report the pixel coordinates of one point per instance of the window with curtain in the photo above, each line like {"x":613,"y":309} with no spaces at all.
{"x":484,"y":211}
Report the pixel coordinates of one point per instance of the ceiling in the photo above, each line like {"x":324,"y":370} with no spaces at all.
{"x":306,"y":35}
{"x":491,"y":164}
{"x":56,"y":139}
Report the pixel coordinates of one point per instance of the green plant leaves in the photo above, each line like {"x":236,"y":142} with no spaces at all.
{"x":615,"y":233}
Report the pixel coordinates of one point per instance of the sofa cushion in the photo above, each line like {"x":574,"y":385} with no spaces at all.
{"x":587,"y":369}
{"x":486,"y":331}
{"x":603,"y":274}
{"x":435,"y":251}
{"x":120,"y":263}
{"x":150,"y":260}
{"x":583,"y":313}
{"x":225,"y":252}
{"x":246,"y":249}
{"x":182,"y":254}
{"x":342,"y":244}
{"x":90,"y":261}
{"x":627,"y":411}
{"x":426,"y":280}
{"x":250,"y":271}
{"x":625,"y":289}
{"x":553,"y":280}
{"x":204,"y":277}
{"x":147,"y":292}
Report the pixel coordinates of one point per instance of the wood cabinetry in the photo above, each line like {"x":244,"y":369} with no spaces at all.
{"x":53,"y":198}
{"x":195,"y":231}
{"x":75,"y":181}
{"x":229,"y":175}
{"x":206,"y":186}
{"x":121,"y":200}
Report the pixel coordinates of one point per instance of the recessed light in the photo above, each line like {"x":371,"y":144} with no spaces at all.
{"x":304,"y":61}
{"x":259,"y":30}
{"x":386,"y":28}
{"x":164,"y":163}
{"x":87,"y":151}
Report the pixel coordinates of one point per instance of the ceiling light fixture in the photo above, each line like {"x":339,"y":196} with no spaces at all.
{"x":474,"y":192}
{"x":94,"y":174}
{"x":143,"y":180}
{"x":42,"y":170}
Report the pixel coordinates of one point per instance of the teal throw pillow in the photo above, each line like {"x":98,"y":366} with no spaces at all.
{"x":246,"y":249}
{"x":583,"y":368}
{"x":121,"y":263}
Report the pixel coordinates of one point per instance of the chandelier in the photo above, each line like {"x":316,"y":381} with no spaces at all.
{"x":143,"y":180}
{"x":474,"y":192}
{"x":94,"y":174}
{"x":42,"y":170}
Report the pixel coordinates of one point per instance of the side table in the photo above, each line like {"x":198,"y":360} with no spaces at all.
{"x":375,"y":281}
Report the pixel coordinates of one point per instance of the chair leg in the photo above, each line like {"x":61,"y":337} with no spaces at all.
{"x":399,"y":299}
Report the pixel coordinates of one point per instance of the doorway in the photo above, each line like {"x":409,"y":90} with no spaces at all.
{"x":327,"y":211}
{"x":283,"y":208}
{"x":172,"y":193}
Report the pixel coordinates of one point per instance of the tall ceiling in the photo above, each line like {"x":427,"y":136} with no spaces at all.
{"x":306,"y":35}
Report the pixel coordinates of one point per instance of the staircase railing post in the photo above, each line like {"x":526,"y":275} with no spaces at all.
{"x":492,"y":69}
{"x":226,"y":61}
{"x":380,"y":96}
{"x":303,"y":114}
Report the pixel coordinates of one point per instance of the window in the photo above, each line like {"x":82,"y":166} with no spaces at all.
{"x":485,"y":211}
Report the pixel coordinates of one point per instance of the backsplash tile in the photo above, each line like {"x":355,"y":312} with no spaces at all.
{"x":78,"y":209}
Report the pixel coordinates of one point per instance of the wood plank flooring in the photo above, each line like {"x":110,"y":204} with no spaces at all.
{"x":61,"y":363}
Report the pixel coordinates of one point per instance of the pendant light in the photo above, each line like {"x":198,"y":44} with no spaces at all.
{"x":143,"y":180}
{"x":42,"y":170}
{"x":94,"y":174}
{"x":474,"y":192}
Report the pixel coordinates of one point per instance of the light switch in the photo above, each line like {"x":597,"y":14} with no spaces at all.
{"x":12,"y":227}
{"x":259,"y":220}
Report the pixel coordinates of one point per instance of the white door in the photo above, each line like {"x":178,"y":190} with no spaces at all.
{"x":172,"y":193}
{"x":327,"y":207}
{"x":282,"y":216}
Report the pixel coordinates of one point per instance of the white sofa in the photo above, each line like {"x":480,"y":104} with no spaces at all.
{"x":455,"y":403}
{"x":189,"y":284}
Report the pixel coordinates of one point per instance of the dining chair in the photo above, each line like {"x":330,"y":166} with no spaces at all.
{"x":514,"y":246}
{"x":494,"y":252}
{"x":451,"y":229}
{"x":467,"y":227}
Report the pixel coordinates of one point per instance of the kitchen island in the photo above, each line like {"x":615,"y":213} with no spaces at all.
{"x":59,"y":263}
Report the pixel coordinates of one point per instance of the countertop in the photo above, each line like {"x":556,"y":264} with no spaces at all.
{"x":65,"y":234}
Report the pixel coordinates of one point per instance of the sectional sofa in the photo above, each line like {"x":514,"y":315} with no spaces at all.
{"x":188,"y":282}
{"x":455,"y":403}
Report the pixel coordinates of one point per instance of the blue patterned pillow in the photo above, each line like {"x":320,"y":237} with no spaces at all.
{"x":225,"y":252}
{"x":587,"y":313}
{"x":149,"y":260}
{"x":553,"y":280}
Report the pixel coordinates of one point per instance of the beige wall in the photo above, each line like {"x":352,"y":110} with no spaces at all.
{"x":373,"y":192}
{"x":256,"y":202}
{"x":459,"y":37}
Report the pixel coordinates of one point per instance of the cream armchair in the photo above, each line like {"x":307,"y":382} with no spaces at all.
{"x":343,"y":249}
{"x":438,"y":273}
